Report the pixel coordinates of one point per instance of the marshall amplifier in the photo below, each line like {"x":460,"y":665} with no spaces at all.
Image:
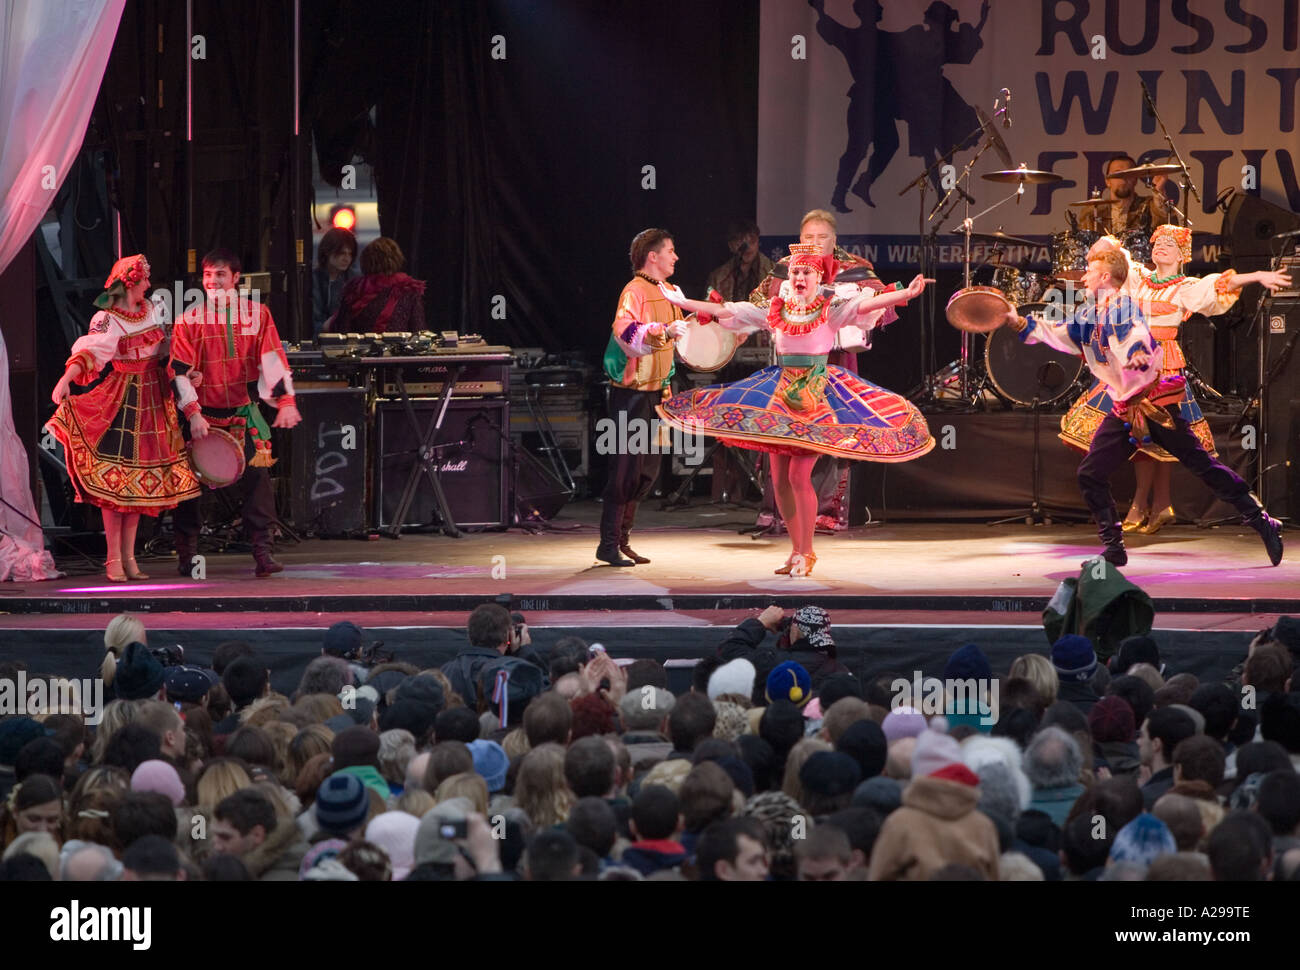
{"x":472,"y":462}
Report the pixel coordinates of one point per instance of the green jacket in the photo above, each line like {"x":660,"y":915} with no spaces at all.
{"x":1101,"y":605}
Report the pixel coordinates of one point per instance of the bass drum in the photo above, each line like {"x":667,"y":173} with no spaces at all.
{"x":1022,"y":373}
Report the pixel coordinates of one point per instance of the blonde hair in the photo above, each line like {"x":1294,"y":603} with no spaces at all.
{"x":541,"y":789}
{"x":1114,"y":264}
{"x":264,"y":710}
{"x":465,"y":785}
{"x":515,"y":744}
{"x":320,"y":707}
{"x":121,"y":630}
{"x":1038,"y":670}
{"x":415,"y":801}
{"x":281,"y":734}
{"x":794,"y":763}
{"x":1147,"y":673}
{"x":220,"y":778}
{"x":396,"y":749}
{"x":303,"y":746}
{"x":117,"y":714}
{"x":817,"y":215}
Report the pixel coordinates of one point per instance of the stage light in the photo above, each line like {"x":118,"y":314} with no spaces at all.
{"x":343,"y":217}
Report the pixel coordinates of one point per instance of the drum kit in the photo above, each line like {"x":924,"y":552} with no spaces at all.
{"x":1032,"y":375}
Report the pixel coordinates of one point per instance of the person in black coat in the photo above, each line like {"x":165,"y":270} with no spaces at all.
{"x":804,"y":637}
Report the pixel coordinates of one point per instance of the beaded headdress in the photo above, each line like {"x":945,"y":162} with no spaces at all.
{"x":1182,"y":237}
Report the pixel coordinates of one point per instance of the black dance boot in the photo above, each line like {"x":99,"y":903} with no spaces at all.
{"x":187,"y":547}
{"x":625,"y":534}
{"x":1269,"y":528}
{"x":1111,"y":532}
{"x":266,"y":566}
{"x":611,"y":521}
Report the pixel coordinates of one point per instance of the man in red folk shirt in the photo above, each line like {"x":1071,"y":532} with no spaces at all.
{"x":218,"y":350}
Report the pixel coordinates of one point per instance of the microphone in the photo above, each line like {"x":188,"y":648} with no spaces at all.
{"x":1006,"y":108}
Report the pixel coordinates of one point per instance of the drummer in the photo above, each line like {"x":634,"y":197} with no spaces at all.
{"x":1128,"y":208}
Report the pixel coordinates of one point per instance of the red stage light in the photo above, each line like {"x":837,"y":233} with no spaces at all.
{"x":343,"y":217}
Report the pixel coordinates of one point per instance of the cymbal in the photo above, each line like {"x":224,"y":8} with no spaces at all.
{"x":1147,"y":171}
{"x":1003,"y":237}
{"x":1093,"y":202}
{"x":1022,"y":175}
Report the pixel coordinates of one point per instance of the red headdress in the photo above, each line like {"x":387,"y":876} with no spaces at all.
{"x":1182,"y":237}
{"x":127,"y":272}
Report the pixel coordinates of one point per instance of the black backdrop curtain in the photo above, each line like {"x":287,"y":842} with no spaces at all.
{"x":522,"y":177}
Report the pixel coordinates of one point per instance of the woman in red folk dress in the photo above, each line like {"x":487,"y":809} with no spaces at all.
{"x":122,"y":440}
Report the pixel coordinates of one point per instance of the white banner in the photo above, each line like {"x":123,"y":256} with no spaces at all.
{"x":853,"y":108}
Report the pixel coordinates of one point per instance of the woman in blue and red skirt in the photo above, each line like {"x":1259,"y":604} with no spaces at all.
{"x":803,"y":408}
{"x":122,"y":440}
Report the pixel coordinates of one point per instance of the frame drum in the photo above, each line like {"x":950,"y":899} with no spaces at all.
{"x":978,"y":309}
{"x":217,"y":458}
{"x":706,"y":347}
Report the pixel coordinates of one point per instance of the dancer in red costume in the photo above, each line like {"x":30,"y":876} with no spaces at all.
{"x":803,"y":408}
{"x":123,"y":442}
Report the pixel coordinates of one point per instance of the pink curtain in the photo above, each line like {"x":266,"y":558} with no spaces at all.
{"x":52,"y":59}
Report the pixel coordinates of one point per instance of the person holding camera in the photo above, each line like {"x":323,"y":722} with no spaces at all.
{"x":492,"y":635}
{"x":804,"y":637}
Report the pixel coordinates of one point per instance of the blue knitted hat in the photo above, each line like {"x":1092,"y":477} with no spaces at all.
{"x":1142,"y":841}
{"x":790,"y":682}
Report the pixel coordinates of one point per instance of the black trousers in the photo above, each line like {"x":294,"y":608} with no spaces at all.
{"x":1111,"y":448}
{"x":252,"y":491}
{"x":631,"y":476}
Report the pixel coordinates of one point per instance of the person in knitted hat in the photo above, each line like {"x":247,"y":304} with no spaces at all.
{"x":882,"y":794}
{"x":735,"y":677}
{"x":829,"y":779}
{"x":1134,"y":650}
{"x":123,"y":443}
{"x":342,"y":805}
{"x":732,"y":721}
{"x":1075,"y":662}
{"x":865,"y":743}
{"x":778,"y":405}
{"x":789,"y":681}
{"x":161,"y":777}
{"x":1114,"y":735}
{"x":970,"y":696}
{"x":902,"y":722}
{"x":803,"y":638}
{"x":779,"y":814}
{"x":491,"y":762}
{"x":938,"y":823}
{"x":139,"y":674}
{"x":394,"y":832}
{"x":1142,"y":841}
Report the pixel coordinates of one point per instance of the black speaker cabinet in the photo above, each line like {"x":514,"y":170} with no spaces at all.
{"x":327,"y":462}
{"x":1280,"y":486}
{"x":471,"y":456}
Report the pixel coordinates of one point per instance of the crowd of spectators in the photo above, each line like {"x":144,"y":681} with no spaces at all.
{"x":778,"y":763}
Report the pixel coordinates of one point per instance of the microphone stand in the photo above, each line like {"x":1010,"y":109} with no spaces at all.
{"x":1187,"y":183}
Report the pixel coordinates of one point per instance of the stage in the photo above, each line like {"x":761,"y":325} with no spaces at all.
{"x":902,"y":595}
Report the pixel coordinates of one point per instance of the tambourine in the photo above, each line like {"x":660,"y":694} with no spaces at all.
{"x":217,"y":458}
